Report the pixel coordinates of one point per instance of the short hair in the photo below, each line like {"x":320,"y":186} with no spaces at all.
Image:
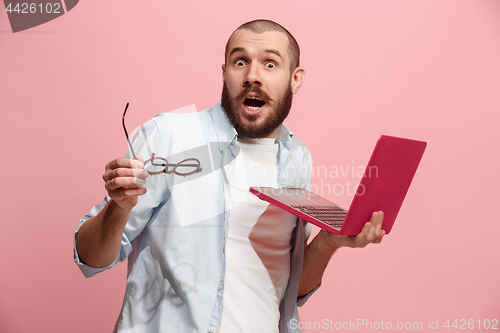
{"x":261,"y":26}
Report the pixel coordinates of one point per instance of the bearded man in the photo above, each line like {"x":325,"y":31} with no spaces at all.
{"x":204,"y":255}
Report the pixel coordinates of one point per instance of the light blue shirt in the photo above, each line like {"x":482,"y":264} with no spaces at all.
{"x":175,"y":237}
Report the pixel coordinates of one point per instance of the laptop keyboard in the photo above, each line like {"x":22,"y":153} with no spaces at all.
{"x":334,"y":216}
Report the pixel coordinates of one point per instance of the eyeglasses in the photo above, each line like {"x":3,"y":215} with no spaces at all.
{"x":184,"y":168}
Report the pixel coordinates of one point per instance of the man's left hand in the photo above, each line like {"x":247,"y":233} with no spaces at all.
{"x":371,"y":233}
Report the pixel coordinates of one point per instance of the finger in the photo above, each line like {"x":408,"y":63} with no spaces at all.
{"x":367,"y":229}
{"x":379,"y":239}
{"x":376,"y":220}
{"x":122,"y":194}
{"x":371,"y":234}
{"x":124,"y":163}
{"x":110,"y":186}
{"x":360,"y":239}
{"x":110,"y":175}
{"x":379,"y":224}
{"x":379,"y":217}
{"x":139,"y":170}
{"x":133,"y":192}
{"x":126,"y":172}
{"x":124,"y":182}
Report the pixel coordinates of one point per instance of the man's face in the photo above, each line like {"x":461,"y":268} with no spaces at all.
{"x":258,"y":85}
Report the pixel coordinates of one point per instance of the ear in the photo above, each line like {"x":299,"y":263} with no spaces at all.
{"x":298,"y":77}
{"x":223,"y":72}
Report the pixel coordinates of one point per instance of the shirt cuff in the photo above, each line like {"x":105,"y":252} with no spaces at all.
{"x":303,"y":299}
{"x":88,"y":271}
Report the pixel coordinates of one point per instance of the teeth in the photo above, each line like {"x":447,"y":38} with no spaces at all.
{"x":253,"y":97}
{"x":252,"y":108}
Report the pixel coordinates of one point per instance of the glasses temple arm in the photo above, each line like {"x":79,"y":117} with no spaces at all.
{"x":126,"y":133}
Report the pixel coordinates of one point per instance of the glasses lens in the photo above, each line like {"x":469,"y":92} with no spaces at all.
{"x":155,"y":165}
{"x":158,"y":165}
{"x":187,"y":167}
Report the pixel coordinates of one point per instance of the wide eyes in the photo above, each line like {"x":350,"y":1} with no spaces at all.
{"x":269,"y":64}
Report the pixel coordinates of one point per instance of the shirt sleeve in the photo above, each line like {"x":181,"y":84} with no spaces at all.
{"x":307,"y":233}
{"x":87,"y":270}
{"x":303,"y":299}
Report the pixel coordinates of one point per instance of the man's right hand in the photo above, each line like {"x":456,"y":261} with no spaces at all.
{"x":124,"y":179}
{"x":98,"y":241}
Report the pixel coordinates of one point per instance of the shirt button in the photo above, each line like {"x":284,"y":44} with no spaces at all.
{"x":220,"y":286}
{"x":211,"y":329}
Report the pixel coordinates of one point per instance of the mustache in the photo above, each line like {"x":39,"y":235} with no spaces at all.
{"x":254,"y":89}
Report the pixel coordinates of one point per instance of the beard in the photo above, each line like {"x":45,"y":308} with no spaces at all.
{"x":279,"y":112}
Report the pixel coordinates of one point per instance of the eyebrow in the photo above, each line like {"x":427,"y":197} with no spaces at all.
{"x":242,"y":50}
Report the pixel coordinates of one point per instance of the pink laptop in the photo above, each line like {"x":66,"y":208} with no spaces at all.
{"x":384,"y":185}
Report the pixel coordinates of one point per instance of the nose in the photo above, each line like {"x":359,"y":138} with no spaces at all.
{"x":253,"y":75}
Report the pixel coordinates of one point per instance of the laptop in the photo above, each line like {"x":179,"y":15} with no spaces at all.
{"x":384,"y":185}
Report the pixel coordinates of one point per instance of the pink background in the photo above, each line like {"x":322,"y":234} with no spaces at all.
{"x":424,"y":69}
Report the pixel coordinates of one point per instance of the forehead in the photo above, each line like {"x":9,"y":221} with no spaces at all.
{"x":251,"y":42}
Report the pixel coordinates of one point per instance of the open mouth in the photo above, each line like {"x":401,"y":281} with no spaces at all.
{"x":253,"y":103}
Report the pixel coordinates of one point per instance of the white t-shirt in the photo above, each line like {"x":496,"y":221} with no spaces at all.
{"x":258,"y":244}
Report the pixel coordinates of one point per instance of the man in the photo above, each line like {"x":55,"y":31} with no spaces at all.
{"x":205,"y":255}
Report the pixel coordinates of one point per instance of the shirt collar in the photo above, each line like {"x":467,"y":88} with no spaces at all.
{"x":226,"y":134}
{"x":285,"y":136}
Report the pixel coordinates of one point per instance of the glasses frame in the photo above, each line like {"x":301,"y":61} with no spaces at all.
{"x":170,"y":168}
